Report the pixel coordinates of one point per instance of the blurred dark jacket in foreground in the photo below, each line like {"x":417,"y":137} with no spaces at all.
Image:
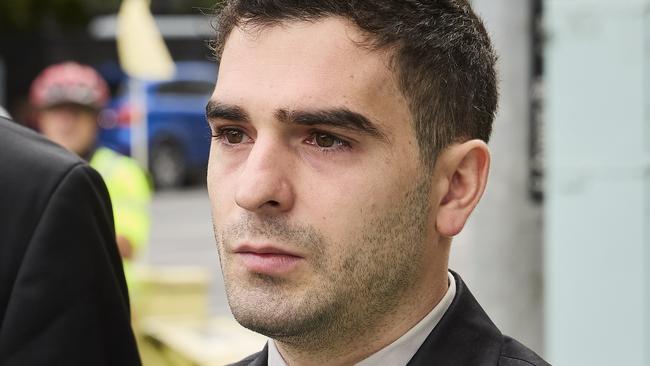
{"x":63,"y":298}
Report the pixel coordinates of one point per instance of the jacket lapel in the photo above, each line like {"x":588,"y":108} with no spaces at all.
{"x":262,"y":358}
{"x":464,"y":336}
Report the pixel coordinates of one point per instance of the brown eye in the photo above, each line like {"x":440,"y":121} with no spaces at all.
{"x":234,"y":136}
{"x":324,"y":140}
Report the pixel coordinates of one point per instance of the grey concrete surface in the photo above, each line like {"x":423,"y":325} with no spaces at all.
{"x":181,"y":234}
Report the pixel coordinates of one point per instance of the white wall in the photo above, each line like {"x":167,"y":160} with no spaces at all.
{"x":499,"y":253}
{"x":598,"y":211}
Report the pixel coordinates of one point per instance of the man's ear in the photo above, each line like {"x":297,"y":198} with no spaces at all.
{"x":462,"y":177}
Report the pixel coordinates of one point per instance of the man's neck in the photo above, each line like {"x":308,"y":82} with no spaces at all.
{"x":363,"y":341}
{"x":88,"y":153}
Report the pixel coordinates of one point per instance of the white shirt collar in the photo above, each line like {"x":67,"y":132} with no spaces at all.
{"x":400,"y":352}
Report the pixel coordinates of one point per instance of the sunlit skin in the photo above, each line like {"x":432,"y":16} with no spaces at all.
{"x":75,"y":128}
{"x":327,"y":201}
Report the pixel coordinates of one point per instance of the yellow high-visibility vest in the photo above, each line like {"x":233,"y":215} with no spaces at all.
{"x":130,"y":193}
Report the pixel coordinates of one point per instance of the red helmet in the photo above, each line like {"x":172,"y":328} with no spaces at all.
{"x":69,"y":82}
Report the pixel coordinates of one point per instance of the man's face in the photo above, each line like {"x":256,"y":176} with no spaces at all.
{"x":320,"y":206}
{"x":71,"y":126}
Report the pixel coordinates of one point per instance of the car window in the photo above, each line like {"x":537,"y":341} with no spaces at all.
{"x":185,"y":87}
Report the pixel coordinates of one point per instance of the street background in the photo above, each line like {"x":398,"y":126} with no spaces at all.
{"x":181,"y":235}
{"x":499,"y":253}
{"x":557,"y":250}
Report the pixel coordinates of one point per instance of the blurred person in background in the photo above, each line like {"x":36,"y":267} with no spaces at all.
{"x":349,"y":148}
{"x":68,"y":98}
{"x":63,"y":296}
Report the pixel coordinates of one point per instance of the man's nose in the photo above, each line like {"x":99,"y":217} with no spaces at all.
{"x":264,"y":185}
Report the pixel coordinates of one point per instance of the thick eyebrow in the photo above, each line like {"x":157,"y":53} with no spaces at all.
{"x":218,"y":110}
{"x":336,"y":117}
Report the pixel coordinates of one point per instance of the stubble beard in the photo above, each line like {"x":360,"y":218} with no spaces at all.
{"x":352,"y":292}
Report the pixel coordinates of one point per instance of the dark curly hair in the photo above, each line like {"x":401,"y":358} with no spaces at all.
{"x":441,"y":54}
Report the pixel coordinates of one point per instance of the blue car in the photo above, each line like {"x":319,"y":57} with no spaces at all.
{"x":178,"y":136}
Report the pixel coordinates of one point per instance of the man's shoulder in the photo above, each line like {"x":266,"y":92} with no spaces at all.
{"x":514,"y":353}
{"x":24,"y":150}
{"x":465,"y":335}
{"x":32,"y":169}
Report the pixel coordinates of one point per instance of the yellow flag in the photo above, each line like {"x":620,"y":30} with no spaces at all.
{"x":140,"y":46}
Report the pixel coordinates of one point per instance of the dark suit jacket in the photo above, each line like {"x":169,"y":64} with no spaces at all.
{"x":465,"y":336}
{"x":63,"y":297}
